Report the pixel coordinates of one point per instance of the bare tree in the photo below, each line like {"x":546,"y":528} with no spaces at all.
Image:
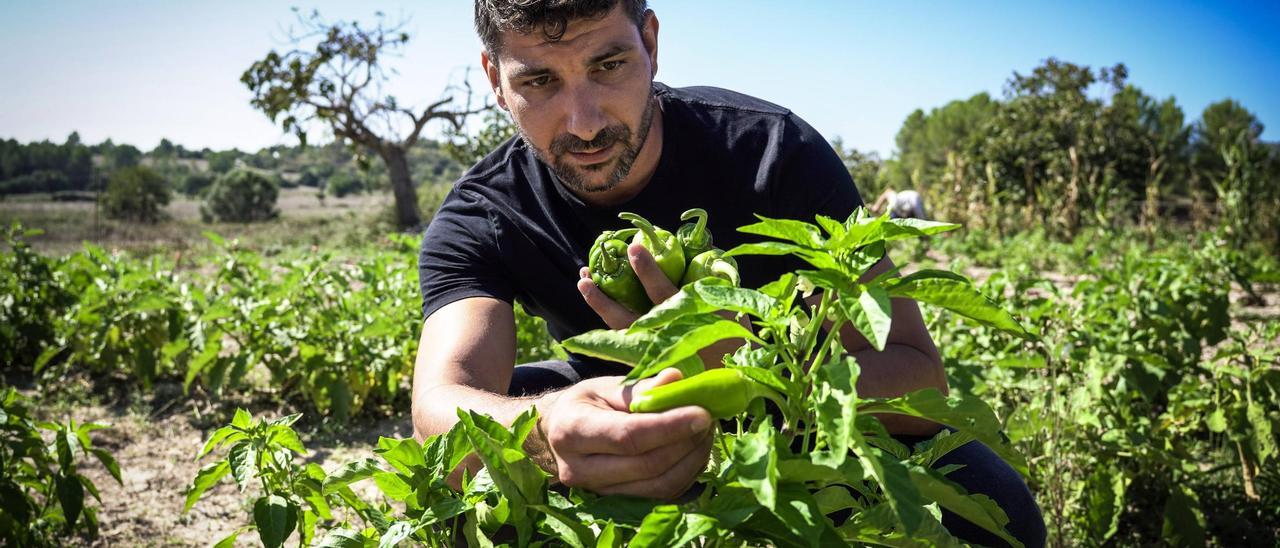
{"x":339,"y":83}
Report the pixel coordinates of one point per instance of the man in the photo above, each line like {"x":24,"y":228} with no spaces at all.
{"x":599,"y":136}
{"x":907,"y":204}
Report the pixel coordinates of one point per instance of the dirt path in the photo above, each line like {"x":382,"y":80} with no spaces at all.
{"x":156,"y":456}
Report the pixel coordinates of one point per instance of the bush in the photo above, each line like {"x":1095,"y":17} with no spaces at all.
{"x":241,"y":196}
{"x":136,"y":194}
{"x":342,"y":184}
{"x":195,"y":183}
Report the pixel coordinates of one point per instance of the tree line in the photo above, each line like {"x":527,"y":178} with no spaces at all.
{"x":1069,"y":146}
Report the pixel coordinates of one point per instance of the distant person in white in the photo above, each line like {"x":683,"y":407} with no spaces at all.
{"x":907,"y":203}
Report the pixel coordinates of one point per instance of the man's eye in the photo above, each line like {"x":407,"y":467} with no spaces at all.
{"x":538,"y":82}
{"x":611,"y":65}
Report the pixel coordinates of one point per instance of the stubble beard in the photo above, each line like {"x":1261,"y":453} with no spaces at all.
{"x":574,"y":177}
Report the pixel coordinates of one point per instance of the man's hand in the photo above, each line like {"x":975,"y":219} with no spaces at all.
{"x":598,"y":445}
{"x":656,"y":285}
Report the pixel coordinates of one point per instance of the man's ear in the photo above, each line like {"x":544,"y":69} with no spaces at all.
{"x":495,"y":79}
{"x":649,"y":36}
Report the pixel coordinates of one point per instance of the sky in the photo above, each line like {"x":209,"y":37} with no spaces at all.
{"x":151,"y":69}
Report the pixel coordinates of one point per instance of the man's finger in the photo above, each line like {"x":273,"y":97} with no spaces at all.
{"x":602,"y":469}
{"x":671,"y":483}
{"x":619,"y":433}
{"x":614,"y":315}
{"x":656,"y":284}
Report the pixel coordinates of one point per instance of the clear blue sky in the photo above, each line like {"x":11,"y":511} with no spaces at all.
{"x":143,"y":70}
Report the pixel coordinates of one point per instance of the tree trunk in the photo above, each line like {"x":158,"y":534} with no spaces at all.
{"x":407,"y":216}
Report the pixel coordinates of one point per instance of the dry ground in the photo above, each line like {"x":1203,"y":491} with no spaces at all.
{"x":304,"y":220}
{"x":156,"y":450}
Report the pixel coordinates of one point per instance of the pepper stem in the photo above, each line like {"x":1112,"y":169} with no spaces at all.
{"x":647,"y":227}
{"x":697,"y":236}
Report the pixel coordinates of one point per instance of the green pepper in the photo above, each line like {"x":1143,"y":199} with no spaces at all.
{"x":612,"y":273}
{"x":661,"y":243}
{"x":711,"y":263}
{"x":694,"y":237}
{"x":723,"y":392}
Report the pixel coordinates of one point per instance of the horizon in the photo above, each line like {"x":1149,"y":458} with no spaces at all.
{"x":152,"y":75}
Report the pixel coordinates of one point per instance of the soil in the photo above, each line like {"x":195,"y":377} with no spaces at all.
{"x":156,"y":450}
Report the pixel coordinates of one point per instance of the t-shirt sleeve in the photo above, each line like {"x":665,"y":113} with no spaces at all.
{"x":459,"y":257}
{"x":811,"y":178}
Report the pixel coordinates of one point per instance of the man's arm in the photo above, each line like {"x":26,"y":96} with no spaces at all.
{"x":585,"y":438}
{"x":910,"y":361}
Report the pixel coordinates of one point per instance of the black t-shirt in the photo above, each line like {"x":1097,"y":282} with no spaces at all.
{"x":510,"y":230}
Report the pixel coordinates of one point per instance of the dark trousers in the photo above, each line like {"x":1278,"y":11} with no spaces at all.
{"x":983,"y":472}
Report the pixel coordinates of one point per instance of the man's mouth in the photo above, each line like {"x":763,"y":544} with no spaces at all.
{"x":588,"y":157}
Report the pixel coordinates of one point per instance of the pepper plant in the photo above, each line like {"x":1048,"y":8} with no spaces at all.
{"x":42,"y":492}
{"x":777,"y":481}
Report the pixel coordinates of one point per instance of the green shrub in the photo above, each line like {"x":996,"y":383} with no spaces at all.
{"x":342,"y":184}
{"x":241,"y":196}
{"x":136,"y":194}
{"x":195,"y":183}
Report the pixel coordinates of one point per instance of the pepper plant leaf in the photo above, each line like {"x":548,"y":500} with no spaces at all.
{"x":943,"y":289}
{"x":797,"y":232}
{"x":965,"y":413}
{"x":978,"y":509}
{"x":620,"y":346}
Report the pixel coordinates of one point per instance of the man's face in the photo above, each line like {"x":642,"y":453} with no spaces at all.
{"x":583,"y":103}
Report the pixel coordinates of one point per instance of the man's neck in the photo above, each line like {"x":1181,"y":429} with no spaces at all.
{"x":646,"y":163}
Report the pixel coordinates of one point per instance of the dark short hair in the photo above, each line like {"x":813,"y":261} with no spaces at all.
{"x":493,"y":17}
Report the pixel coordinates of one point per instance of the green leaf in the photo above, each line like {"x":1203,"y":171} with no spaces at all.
{"x":962,"y":412}
{"x":71,"y":498}
{"x":392,"y":485}
{"x":341,"y":538}
{"x":619,"y":346}
{"x":658,"y":528}
{"x":244,"y":463}
{"x":275,"y":518}
{"x":1104,"y":492}
{"x":398,"y":532}
{"x":686,"y":343}
{"x":229,"y":541}
{"x":404,"y":455}
{"x":957,"y":296}
{"x":928,"y":452}
{"x":609,"y":537}
{"x":207,"y":477}
{"x":756,"y":464}
{"x":242,"y":419}
{"x":286,"y":437}
{"x":350,"y":473}
{"x":226,"y":433}
{"x":798,"y":232}
{"x":978,"y":509}
{"x":685,"y":302}
{"x":765,"y":248}
{"x":1184,"y":523}
{"x":109,"y":462}
{"x":736,"y":299}
{"x":873,"y":315}
{"x":1261,"y":438}
{"x":835,"y":403}
{"x":901,"y":493}
{"x":900,"y":229}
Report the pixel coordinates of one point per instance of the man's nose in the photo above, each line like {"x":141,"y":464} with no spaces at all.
{"x":585,"y":117}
